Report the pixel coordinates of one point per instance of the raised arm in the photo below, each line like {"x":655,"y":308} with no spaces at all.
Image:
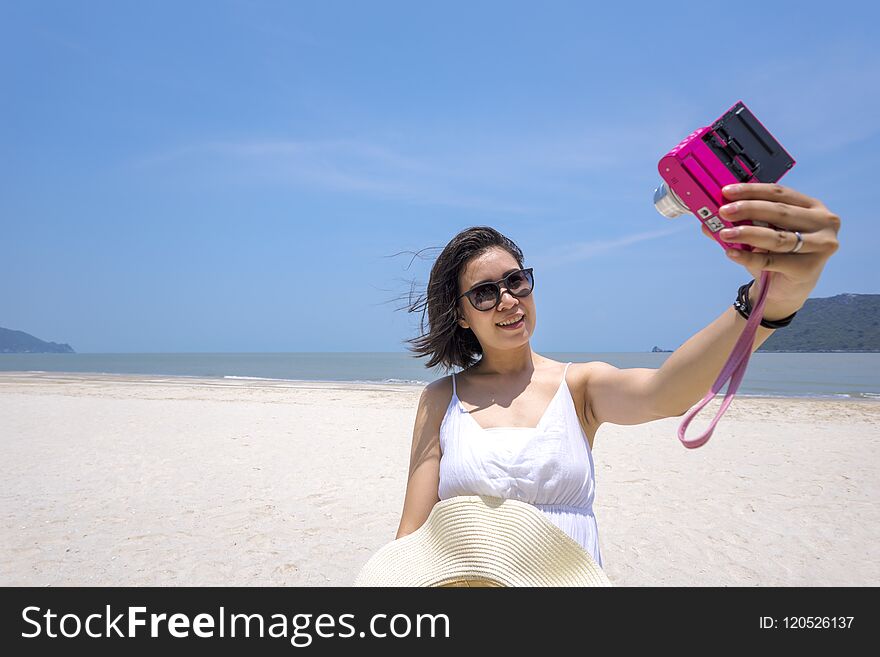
{"x":424,"y":463}
{"x":803,"y":238}
{"x":622,"y":396}
{"x":638,"y":395}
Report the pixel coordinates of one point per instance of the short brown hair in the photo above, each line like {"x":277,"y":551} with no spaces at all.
{"x":446,"y":342}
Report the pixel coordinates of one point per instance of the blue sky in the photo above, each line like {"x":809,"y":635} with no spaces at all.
{"x":236,"y":176}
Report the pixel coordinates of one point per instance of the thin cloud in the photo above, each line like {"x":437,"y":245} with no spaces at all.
{"x":337,"y":165}
{"x":568,"y":253}
{"x":488,"y":171}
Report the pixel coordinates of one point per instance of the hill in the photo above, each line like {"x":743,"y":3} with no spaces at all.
{"x":846,"y":322}
{"x":19,"y":342}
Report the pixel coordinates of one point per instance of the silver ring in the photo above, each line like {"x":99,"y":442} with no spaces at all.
{"x":800,"y":242}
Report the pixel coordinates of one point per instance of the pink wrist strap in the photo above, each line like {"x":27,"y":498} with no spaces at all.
{"x":735,"y":368}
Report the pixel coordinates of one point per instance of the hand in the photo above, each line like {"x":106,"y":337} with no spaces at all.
{"x":796,"y":274}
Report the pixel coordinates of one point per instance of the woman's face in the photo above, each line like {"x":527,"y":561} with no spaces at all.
{"x":493,"y":265}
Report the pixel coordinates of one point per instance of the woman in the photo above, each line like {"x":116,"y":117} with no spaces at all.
{"x":517,"y":425}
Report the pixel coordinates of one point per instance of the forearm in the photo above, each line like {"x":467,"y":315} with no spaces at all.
{"x":689,"y":372}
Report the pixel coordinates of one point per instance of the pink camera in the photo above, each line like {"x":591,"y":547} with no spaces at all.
{"x":736,"y":148}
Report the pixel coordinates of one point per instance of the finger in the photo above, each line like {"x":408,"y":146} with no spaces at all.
{"x":795,"y":264}
{"x":778,"y":241}
{"x":769,"y":192}
{"x":779,"y":214}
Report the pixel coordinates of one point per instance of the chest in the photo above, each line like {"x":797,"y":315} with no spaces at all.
{"x":528,"y":414}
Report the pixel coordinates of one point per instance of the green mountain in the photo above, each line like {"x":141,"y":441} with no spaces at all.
{"x":19,"y":342}
{"x":846,"y":322}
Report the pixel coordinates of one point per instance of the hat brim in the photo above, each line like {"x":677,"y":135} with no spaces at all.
{"x":477,"y":540}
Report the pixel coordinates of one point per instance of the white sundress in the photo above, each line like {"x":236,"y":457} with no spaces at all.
{"x":549,"y":466}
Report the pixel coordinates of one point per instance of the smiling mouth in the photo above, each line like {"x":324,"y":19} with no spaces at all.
{"x":516,"y":324}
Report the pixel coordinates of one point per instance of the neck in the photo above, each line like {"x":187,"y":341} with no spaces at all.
{"x":508,"y":362}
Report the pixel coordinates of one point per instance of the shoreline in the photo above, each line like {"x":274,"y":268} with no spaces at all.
{"x":217,"y":382}
{"x":23,"y":377}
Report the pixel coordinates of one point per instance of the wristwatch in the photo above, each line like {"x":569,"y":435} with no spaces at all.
{"x":744,"y":307}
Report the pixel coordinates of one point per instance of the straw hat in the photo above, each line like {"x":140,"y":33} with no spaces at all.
{"x":477,"y":540}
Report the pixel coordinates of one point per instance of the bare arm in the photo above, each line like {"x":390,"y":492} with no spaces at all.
{"x":622,"y":396}
{"x":689,"y":372}
{"x":638,"y":395}
{"x":424,"y":464}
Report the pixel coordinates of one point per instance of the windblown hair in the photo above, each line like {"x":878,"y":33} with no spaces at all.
{"x":445,"y":341}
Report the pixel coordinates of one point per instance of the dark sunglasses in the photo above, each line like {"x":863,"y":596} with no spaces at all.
{"x":487,"y":296}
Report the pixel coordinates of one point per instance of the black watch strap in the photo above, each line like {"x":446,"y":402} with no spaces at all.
{"x":744,"y":308}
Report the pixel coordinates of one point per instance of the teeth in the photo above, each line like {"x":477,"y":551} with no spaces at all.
{"x":512,"y":321}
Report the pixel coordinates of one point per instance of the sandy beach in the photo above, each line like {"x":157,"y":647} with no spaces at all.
{"x":114,"y":480}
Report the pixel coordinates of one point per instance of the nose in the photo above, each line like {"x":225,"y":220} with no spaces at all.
{"x":506,"y":295}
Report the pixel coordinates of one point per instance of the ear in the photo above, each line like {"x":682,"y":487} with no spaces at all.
{"x":459,"y":317}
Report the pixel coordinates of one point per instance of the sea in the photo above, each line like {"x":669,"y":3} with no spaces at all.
{"x":811,"y":375}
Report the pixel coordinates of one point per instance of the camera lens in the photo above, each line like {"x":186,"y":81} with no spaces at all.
{"x":667,"y":202}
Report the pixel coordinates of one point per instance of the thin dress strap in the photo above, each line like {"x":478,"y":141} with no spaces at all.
{"x":564,"y":373}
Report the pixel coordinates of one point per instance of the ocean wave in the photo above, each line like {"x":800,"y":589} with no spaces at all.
{"x":392,"y":381}
{"x":817,"y":396}
{"x":376,"y":382}
{"x":255,"y":378}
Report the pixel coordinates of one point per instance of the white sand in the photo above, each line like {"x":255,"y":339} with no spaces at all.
{"x":146,"y":480}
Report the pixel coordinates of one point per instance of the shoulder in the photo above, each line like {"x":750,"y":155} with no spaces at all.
{"x":439,"y":387}
{"x":582,"y":372}
{"x":578,"y":379}
{"x":577,"y":376}
{"x":619,"y":395}
{"x":436,"y":395}
{"x":579,"y":373}
{"x":433,"y":404}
